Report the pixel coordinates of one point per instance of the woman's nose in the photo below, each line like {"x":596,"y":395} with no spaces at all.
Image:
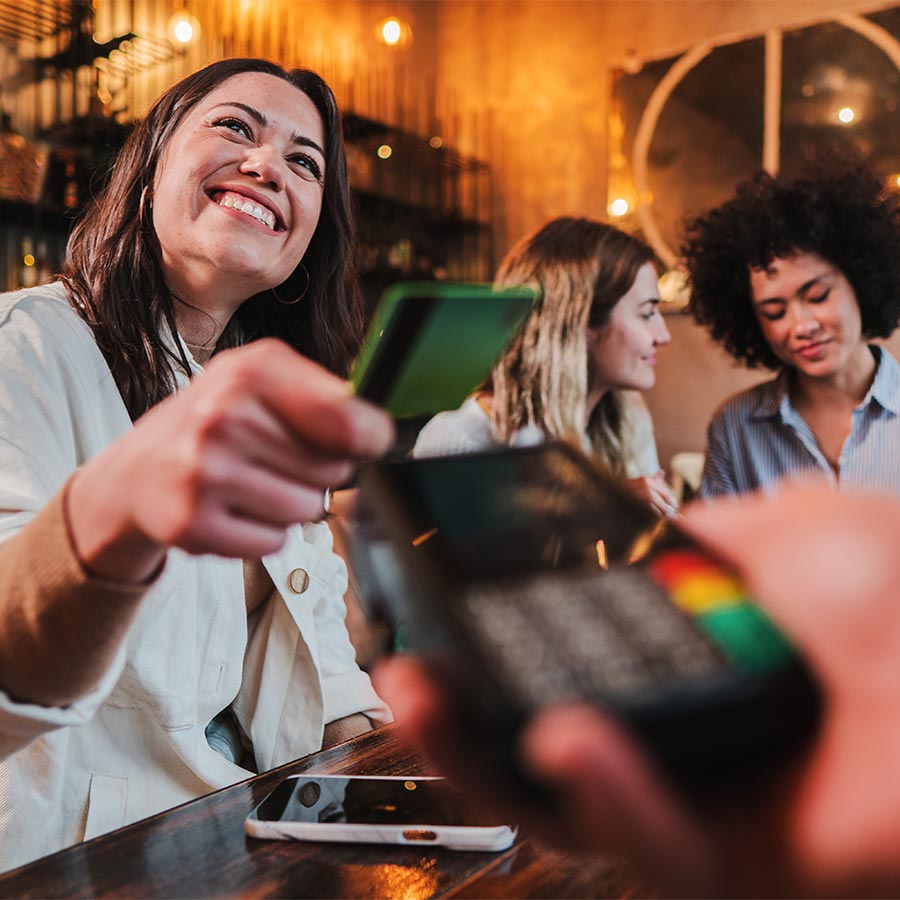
{"x":662,"y":335}
{"x":263,"y":163}
{"x":804,"y":322}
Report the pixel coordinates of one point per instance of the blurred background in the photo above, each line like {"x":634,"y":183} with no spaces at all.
{"x":469,"y":122}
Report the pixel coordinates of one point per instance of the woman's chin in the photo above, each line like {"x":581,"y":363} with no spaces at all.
{"x":248,"y":275}
{"x":644,"y":383}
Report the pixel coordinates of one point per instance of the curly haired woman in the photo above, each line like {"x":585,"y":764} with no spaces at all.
{"x":797,"y":276}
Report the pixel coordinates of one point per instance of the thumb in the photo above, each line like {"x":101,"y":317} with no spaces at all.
{"x":614,"y":798}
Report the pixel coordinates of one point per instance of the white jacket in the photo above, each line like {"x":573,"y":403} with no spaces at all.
{"x":137,"y":745}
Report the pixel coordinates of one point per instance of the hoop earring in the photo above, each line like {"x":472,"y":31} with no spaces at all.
{"x":300,"y":296}
{"x":145,"y":203}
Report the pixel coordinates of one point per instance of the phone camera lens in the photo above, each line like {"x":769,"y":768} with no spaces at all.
{"x":309,"y":794}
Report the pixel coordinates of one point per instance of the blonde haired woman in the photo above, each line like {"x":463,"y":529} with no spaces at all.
{"x":574,"y":370}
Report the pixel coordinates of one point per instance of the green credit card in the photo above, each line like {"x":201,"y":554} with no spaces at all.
{"x":430,"y":344}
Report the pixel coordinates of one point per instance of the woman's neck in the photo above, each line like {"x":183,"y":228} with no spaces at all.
{"x":594,"y":396}
{"x":200,"y":329}
{"x":200,"y":352}
{"x":848,"y":387}
{"x":485,"y":399}
{"x":202,"y":309}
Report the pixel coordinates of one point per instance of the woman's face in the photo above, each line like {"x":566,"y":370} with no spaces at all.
{"x":238,"y":190}
{"x":622,"y":353}
{"x":808,"y":314}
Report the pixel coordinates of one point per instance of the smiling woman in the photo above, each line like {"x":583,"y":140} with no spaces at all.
{"x":162,"y":592}
{"x":234,"y":125}
{"x":233,"y":193}
{"x":798,"y":276}
{"x":574,"y":369}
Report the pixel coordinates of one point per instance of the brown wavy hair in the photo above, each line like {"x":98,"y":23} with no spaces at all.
{"x":113,"y":273}
{"x":582,"y":269}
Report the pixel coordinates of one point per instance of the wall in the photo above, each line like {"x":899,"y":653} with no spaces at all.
{"x":523,"y":83}
{"x":534,"y":68}
{"x":539,"y":70}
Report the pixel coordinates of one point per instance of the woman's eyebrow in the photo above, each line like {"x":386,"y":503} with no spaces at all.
{"x":254,"y":114}
{"x":811,"y":283}
{"x":262,"y":121}
{"x":303,"y":141}
{"x":801,"y":291}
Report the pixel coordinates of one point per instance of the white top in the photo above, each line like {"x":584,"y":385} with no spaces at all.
{"x":137,"y":745}
{"x":469,"y":429}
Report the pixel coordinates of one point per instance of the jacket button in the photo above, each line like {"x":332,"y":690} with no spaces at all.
{"x":298,"y":580}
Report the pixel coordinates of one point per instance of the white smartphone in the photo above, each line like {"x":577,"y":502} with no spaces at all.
{"x":377,"y":810}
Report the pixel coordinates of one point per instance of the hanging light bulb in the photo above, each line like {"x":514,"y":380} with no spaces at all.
{"x":393,"y":32}
{"x":621,"y":195}
{"x":183,"y":28}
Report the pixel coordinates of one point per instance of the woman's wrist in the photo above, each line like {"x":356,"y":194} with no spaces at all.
{"x":105,"y":540}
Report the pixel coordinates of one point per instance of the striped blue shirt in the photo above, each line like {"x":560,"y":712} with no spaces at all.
{"x":757,"y":439}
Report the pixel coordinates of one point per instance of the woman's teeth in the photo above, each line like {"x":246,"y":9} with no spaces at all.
{"x":248,"y":207}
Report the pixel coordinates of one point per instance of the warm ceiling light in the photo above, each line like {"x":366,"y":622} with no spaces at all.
{"x":846,"y":115}
{"x":184,"y":29}
{"x":394,"y":32}
{"x":391,"y":31}
{"x":384,"y":151}
{"x":619,"y":207}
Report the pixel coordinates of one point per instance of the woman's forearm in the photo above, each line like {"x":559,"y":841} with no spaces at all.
{"x":344,"y":729}
{"x":60,"y":627}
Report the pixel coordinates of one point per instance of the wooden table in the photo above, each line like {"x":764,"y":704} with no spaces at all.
{"x":200,"y":850}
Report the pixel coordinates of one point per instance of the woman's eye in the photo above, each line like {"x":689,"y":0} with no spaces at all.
{"x":773,"y":316}
{"x":820,"y":298}
{"x":308,"y":166}
{"x":235,"y":125}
